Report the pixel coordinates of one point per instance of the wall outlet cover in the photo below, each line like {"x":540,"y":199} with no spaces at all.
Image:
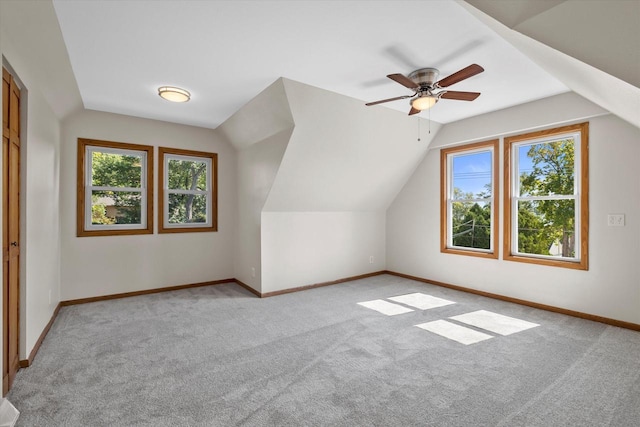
{"x":615,"y":220}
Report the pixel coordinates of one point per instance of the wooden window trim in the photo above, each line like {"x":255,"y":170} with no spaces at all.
{"x":494,"y":144}
{"x":161,"y":191}
{"x":80,"y":189}
{"x":583,"y":263}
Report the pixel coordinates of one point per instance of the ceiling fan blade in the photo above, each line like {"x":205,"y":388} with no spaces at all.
{"x":413,"y":111}
{"x":388,"y":100}
{"x":465,"y":73}
{"x":460,"y":96}
{"x":404,"y":81}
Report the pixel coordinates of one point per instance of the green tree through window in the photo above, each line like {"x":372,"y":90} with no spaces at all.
{"x":546,"y":221}
{"x":187,"y":207}
{"x":546,"y":212}
{"x":115,"y":188}
{"x":188,"y":190}
{"x":468,"y":179}
{"x":120,"y":171}
{"x":471,"y":222}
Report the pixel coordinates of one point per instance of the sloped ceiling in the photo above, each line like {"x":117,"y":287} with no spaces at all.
{"x":265,"y":115}
{"x":30,"y":28}
{"x":338,"y":157}
{"x":246,"y":46}
{"x":603,"y":34}
{"x":343,"y":158}
{"x":226,"y":52}
{"x":593,"y":47}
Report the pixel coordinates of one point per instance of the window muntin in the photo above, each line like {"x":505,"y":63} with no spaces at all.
{"x":186,"y":190}
{"x":188,"y":199}
{"x":115,"y":188}
{"x":469,"y":184}
{"x":546,"y":208}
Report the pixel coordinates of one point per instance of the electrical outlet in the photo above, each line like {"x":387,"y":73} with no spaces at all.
{"x":371,"y":259}
{"x":49,"y":296}
{"x":615,"y":220}
{"x":253,"y":272}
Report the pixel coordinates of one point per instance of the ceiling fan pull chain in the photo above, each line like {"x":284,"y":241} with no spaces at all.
{"x":417,"y":117}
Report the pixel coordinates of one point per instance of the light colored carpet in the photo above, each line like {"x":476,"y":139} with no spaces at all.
{"x":385,"y":307}
{"x":421,"y":301}
{"x":454,"y":332}
{"x":218,"y":356}
{"x":494,"y":322}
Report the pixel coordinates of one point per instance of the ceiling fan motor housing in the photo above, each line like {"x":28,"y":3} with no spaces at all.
{"x":425,"y":77}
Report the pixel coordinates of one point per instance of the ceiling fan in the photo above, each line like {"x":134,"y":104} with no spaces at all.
{"x":423,"y":82}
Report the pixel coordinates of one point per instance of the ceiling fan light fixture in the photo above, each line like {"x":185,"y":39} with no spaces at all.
{"x":424,"y":102}
{"x":174,"y":94}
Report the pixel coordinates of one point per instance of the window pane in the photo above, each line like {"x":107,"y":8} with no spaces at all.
{"x":472,"y":175}
{"x":187,"y":175}
{"x":115,"y":207}
{"x":471,"y":225}
{"x":547,"y":227}
{"x":546,"y":168}
{"x":187,"y":208}
{"x":116,"y":170}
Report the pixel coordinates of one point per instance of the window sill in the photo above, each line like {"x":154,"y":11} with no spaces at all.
{"x":162,"y":230}
{"x":489,"y":255}
{"x":129,"y":232}
{"x":575,"y":265}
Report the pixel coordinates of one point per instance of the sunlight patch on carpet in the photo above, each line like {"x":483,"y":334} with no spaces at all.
{"x":454,"y":332}
{"x":503,"y":325}
{"x":385,"y":307}
{"x":421,"y":301}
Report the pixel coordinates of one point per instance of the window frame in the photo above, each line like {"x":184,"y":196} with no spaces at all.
{"x":164,"y":155}
{"x":85,"y":189}
{"x":580,"y":195}
{"x":446,"y":181}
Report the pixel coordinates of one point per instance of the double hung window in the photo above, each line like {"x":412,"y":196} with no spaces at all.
{"x":115,"y":188}
{"x":187,"y":191}
{"x":546,"y":197}
{"x":468,"y":194}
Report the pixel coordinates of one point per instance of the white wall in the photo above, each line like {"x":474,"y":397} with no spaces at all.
{"x":611,"y":286}
{"x":344,"y":156}
{"x":95,"y":266}
{"x":40,"y":236}
{"x":325,"y":214}
{"x":40,"y":281}
{"x":260,"y":132}
{"x":316,"y":172}
{"x":257,"y":168}
{"x":305,"y":248}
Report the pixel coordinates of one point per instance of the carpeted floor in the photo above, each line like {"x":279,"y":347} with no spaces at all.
{"x":218,"y":356}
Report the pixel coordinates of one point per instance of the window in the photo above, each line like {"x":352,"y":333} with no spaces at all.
{"x":115,"y":188}
{"x":188,"y":196}
{"x":469,"y":187}
{"x":546,"y":197}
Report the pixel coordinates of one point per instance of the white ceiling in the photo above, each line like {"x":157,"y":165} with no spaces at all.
{"x":604,"y":33}
{"x":226,"y":52}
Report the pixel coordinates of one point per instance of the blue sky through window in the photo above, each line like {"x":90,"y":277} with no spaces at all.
{"x":524,"y":161}
{"x":472,"y":173}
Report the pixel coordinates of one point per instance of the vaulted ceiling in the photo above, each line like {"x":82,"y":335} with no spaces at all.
{"x":226,"y":52}
{"x":593,"y":47}
{"x":112,"y":56}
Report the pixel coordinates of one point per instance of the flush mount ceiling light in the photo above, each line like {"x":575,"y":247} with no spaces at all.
{"x":174,"y":94}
